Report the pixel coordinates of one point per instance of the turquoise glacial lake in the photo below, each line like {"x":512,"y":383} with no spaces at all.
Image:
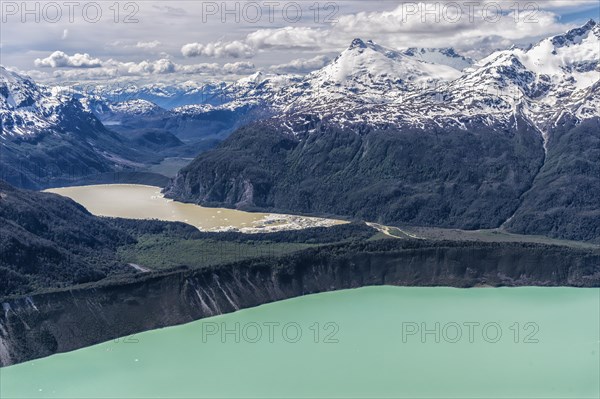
{"x":379,"y":342}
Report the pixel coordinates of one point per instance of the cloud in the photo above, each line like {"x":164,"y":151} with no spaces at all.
{"x":286,"y":38}
{"x":239,"y":68}
{"x":195,"y":69}
{"x":444,"y":24}
{"x":148,"y":45}
{"x":59,"y":59}
{"x":235,"y":49}
{"x":130,"y":44}
{"x":302,"y":65}
{"x":276,"y":45}
{"x":34,"y":73}
{"x":86,"y":74}
{"x":468,"y":27}
{"x":570,"y":3}
{"x":475,"y":30}
{"x":235,"y":68}
{"x":167,"y":10}
{"x":162,"y":66}
{"x":281,"y":38}
{"x":112,"y":69}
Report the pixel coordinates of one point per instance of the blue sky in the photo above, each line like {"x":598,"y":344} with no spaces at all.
{"x":199,"y":40}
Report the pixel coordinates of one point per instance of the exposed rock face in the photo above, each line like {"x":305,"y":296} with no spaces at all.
{"x":44,"y":324}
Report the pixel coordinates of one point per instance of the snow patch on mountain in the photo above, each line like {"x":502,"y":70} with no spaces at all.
{"x":439,"y":56}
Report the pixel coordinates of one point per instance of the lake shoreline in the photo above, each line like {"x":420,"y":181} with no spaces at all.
{"x":39,"y":325}
{"x":146,"y":202}
{"x":363,"y":327}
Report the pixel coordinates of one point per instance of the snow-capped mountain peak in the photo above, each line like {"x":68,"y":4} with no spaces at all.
{"x":367,"y":63}
{"x":136,"y":107}
{"x":358,"y":43}
{"x":370,"y":83}
{"x":368,"y":73}
{"x":577,"y":52}
{"x":254,"y":79}
{"x":555,"y":72}
{"x":26,"y":107}
{"x":17,"y":91}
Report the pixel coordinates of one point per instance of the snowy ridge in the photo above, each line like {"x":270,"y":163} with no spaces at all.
{"x":164,"y":95}
{"x":135,"y":107}
{"x":368,"y":84}
{"x":559,"y":74}
{"x":27,"y":108}
{"x":587,"y":102}
{"x":364,"y":73}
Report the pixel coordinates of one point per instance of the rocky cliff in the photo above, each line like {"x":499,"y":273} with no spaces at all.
{"x":44,"y":324}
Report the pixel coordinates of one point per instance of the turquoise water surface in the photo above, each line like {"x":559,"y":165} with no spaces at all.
{"x":371,"y":342}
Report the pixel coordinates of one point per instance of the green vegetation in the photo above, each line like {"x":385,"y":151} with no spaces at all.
{"x":169,"y":166}
{"x":166,"y":245}
{"x":164,"y":252}
{"x":493,"y":235}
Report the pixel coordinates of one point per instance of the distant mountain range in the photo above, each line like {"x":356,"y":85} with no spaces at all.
{"x":416,"y":136}
{"x":50,"y":138}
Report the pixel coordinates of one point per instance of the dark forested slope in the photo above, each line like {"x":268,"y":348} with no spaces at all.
{"x":47,"y":240}
{"x":564,"y":200}
{"x":451,"y":177}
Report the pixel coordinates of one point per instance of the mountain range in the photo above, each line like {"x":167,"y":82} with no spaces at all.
{"x":416,"y":136}
{"x":510,"y":141}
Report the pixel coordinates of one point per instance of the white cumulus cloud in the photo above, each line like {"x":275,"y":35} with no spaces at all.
{"x":162,"y":66}
{"x":289,"y":37}
{"x":112,"y":69}
{"x":279,"y":38}
{"x":59,"y":59}
{"x":238,"y":68}
{"x":235,"y":49}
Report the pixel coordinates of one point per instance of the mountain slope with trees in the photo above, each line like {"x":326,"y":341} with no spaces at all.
{"x":512,"y":142}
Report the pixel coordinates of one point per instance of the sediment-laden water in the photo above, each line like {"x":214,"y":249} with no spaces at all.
{"x":146,"y":202}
